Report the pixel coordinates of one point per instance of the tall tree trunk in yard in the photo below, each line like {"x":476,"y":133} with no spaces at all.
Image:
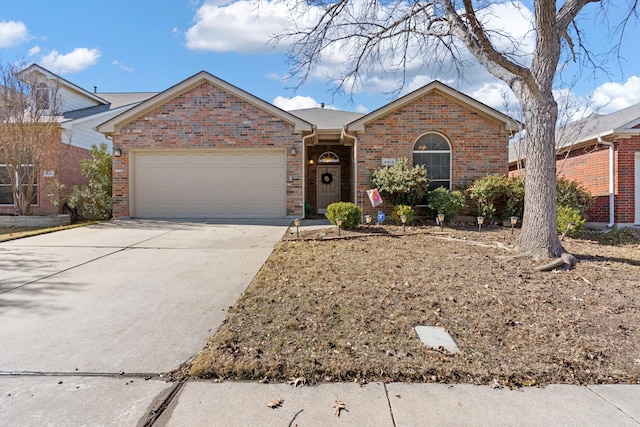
{"x":539,"y":235}
{"x":534,"y":90}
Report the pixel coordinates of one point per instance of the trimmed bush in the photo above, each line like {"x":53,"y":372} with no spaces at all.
{"x":401,"y":184}
{"x":567,"y":214}
{"x":349,"y":213}
{"x":446,"y":202}
{"x":402,"y":210}
{"x":502,"y":196}
{"x":498,"y":196}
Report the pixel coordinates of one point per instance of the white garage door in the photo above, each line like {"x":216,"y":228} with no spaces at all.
{"x":209,"y":185}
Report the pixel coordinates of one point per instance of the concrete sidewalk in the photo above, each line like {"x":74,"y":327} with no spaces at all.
{"x":80,"y":401}
{"x":396,"y":404}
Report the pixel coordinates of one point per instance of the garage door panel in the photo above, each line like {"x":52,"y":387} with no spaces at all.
{"x":209,"y":185}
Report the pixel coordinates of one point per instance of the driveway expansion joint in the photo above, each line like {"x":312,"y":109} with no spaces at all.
{"x":159,"y":406}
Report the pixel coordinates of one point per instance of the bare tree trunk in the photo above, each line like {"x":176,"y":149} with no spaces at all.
{"x":539,"y":235}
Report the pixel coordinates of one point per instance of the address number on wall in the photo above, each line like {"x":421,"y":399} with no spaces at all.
{"x":388,"y":162}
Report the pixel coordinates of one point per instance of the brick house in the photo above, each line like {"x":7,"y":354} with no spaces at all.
{"x":207,"y":149}
{"x":603,"y":153}
{"x":79,"y":112}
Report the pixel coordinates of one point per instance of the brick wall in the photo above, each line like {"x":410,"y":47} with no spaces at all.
{"x":60,"y":162}
{"x":625,"y":179}
{"x":590,"y":166}
{"x":228,"y":123}
{"x":479,"y":145}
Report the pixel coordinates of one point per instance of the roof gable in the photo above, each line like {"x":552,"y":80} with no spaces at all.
{"x":114,"y":125}
{"x":65,"y":85}
{"x":586,"y":132}
{"x":601,"y":125}
{"x":508,"y":123}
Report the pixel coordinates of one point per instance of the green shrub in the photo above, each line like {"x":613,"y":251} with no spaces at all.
{"x":446,"y":202}
{"x":94,"y":200}
{"x":502,"y":196}
{"x":498,"y":196}
{"x":402,"y":210}
{"x":514,"y":195}
{"x":401,"y":184}
{"x":567,"y":214}
{"x":573,"y":194}
{"x":349,"y":213}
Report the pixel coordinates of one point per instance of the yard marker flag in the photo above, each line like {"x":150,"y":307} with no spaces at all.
{"x":374,"y":196}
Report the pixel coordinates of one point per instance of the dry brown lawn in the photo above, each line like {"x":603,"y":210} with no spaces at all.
{"x":345,"y":310}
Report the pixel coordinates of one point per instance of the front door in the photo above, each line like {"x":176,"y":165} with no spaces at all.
{"x":328,"y":183}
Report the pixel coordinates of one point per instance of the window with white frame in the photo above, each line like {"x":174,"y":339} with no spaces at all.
{"x":434,"y":152}
{"x":6,"y":183}
{"x":42,"y":96}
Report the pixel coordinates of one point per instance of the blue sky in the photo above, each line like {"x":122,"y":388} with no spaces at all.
{"x":145,"y":45}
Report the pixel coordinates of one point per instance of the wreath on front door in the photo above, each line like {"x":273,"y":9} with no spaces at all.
{"x":326,"y":178}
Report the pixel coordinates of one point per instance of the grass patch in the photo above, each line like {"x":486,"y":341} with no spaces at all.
{"x":14,"y":233}
{"x":345,"y":309}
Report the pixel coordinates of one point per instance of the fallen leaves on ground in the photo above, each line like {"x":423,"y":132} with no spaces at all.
{"x":295,"y":382}
{"x":345,"y":310}
{"x":337,"y":407}
{"x":276,"y":403}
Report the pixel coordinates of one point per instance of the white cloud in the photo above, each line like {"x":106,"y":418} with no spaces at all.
{"x":496,"y":94}
{"x":272,"y":75}
{"x":245,"y":26}
{"x":298,"y":102}
{"x":121,"y":65}
{"x":77,"y":60}
{"x":614,"y":96}
{"x":12,"y":33}
{"x":248,"y":26}
{"x":34,"y":51}
{"x":362,"y":109}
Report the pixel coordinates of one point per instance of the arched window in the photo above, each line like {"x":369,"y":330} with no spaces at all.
{"x":328,"y":157}
{"x":42,"y":96}
{"x":434,"y":152}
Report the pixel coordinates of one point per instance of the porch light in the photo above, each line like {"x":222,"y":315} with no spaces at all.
{"x":367,"y":219}
{"x":311,"y":161}
{"x":570,"y":226}
{"x":441,"y":220}
{"x":513,"y":220}
{"x":293,"y":151}
{"x":403,"y":219}
{"x":480,"y":222}
{"x":296,"y":222}
{"x":117,"y":151}
{"x":339,"y":224}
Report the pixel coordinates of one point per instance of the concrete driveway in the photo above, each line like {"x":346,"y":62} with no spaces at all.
{"x":128,"y":298}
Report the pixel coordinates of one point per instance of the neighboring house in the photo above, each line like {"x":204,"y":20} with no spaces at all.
{"x":207,"y":149}
{"x":79,"y":113}
{"x":603,"y":153}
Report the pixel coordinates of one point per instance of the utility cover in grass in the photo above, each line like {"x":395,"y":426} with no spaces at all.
{"x":436,"y":337}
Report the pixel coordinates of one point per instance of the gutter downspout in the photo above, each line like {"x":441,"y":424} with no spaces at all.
{"x":612,"y":199}
{"x":304,"y":167}
{"x":355,"y":163}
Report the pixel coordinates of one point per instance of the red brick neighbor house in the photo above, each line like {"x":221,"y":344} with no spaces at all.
{"x":79,"y":112}
{"x":603,"y":153}
{"x":207,"y":149}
